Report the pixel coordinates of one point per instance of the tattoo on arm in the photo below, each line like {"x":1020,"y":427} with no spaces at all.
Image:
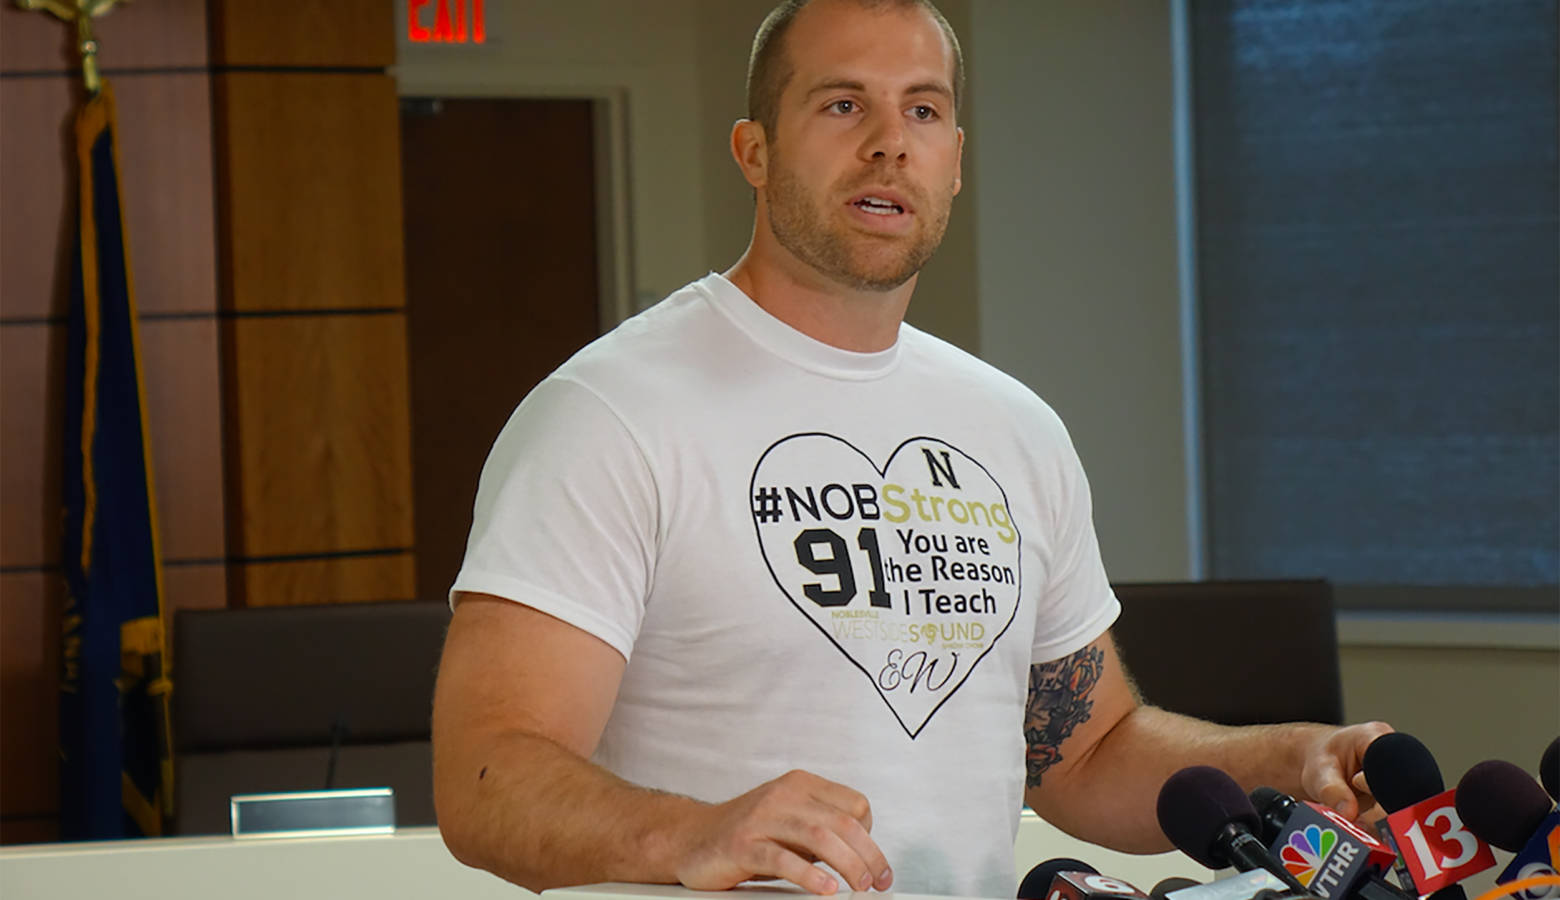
{"x":1058,"y":703}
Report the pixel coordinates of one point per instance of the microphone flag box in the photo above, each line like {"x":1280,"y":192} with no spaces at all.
{"x":1541,"y":856}
{"x":1436,"y":849}
{"x":1326,"y":852}
{"x":1089,"y":886}
{"x":313,"y":813}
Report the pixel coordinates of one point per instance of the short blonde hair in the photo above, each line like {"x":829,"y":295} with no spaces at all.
{"x":769,"y":71}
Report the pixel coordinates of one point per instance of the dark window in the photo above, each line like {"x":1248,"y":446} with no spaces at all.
{"x":1378,"y":252}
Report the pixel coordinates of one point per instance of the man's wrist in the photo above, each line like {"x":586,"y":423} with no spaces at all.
{"x":663,"y":843}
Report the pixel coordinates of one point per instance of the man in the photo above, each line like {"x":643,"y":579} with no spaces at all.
{"x":765,"y":528}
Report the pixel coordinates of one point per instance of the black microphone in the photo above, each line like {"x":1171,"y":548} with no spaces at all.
{"x":1402,"y":772}
{"x":1037,"y":884}
{"x":1549,"y":768}
{"x":1091,"y":886}
{"x":1330,"y":855}
{"x":1170,"y":885}
{"x":338,"y":730}
{"x":1503,"y":806}
{"x":1274,"y":807}
{"x":1209,"y":818}
{"x":1071,"y":879}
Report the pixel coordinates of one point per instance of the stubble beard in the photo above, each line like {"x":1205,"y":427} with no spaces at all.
{"x":855,"y":260}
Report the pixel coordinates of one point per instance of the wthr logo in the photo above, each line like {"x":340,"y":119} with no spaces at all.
{"x":1307,"y":852}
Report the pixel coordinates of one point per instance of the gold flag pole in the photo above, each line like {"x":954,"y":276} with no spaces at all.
{"x":81,"y":13}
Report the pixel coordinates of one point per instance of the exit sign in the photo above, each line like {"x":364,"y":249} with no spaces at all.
{"x":454,"y":22}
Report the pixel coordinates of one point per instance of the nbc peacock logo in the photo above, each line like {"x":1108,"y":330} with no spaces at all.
{"x":1307,"y":849}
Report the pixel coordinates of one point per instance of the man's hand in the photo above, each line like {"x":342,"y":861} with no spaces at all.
{"x":778,"y":830}
{"x":1332,"y":773}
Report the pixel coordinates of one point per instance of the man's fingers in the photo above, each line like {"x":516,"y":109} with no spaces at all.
{"x":784,"y":863}
{"x":833,"y":796}
{"x":838,"y":839}
{"x":781,"y":829}
{"x":1333,"y":775}
{"x":1326,"y":783}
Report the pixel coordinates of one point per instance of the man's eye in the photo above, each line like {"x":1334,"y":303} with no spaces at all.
{"x":843,"y":106}
{"x":923,"y":112}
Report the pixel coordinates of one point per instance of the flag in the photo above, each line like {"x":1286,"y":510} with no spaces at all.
{"x":115,"y":761}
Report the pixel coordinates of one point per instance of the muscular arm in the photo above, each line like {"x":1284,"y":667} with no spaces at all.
{"x":1098,"y":755}
{"x":520,"y":703}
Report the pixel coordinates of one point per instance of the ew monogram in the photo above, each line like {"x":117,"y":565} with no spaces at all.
{"x":910,"y":569}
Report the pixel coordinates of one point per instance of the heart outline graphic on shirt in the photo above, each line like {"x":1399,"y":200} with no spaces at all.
{"x":910,"y":569}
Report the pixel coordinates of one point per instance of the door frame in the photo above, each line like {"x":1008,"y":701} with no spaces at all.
{"x":615,"y":300}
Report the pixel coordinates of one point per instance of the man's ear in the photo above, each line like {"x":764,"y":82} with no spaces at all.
{"x":958,"y":166}
{"x":750,"y":148}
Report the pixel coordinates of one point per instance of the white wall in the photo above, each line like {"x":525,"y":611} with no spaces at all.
{"x":1077,"y":261}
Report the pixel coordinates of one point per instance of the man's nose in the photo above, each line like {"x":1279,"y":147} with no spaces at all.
{"x":885,"y":138}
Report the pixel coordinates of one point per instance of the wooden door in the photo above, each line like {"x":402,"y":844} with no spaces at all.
{"x":501,"y":284}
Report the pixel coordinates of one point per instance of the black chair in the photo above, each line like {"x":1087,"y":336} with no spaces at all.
{"x":278,"y":698}
{"x":1234,"y":652}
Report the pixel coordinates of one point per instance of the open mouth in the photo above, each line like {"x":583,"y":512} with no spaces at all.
{"x":878,"y":206}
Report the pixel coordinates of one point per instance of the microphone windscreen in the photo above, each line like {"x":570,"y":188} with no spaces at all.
{"x":1501,"y":804}
{"x":1171,"y":885}
{"x":1037,"y":884}
{"x":1549,"y":769}
{"x":1194,"y":806}
{"x":1401,"y":771}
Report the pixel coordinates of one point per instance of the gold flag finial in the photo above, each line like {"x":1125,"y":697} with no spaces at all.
{"x":80,"y":13}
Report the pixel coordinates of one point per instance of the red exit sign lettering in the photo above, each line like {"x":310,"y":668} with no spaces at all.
{"x":450,"y":22}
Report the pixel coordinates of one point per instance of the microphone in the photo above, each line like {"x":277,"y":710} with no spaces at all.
{"x":1091,"y":886}
{"x":1037,"y":884}
{"x":1504,"y":806}
{"x":1423,"y":824}
{"x":1209,"y":818}
{"x":338,"y":730}
{"x":1330,"y":855}
{"x":1171,"y":885}
{"x":1549,"y":768}
{"x":1071,"y":879}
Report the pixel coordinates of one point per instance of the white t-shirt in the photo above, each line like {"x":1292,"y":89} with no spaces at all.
{"x":810,"y":558}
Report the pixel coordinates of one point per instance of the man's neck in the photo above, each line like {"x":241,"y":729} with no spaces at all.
{"x":860,"y":321}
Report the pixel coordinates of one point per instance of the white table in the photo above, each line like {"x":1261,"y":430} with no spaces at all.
{"x":412,"y":863}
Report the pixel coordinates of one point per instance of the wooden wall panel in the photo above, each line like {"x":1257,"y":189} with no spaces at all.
{"x":31,"y":414}
{"x":166,"y":172}
{"x":318,"y":434}
{"x":309,"y":182}
{"x":359,"y":579}
{"x":160,"y":33}
{"x":303,"y":33}
{"x":184,"y":420}
{"x":193,"y":587}
{"x":165,"y":159}
{"x":37,"y":179}
{"x":30,"y":608}
{"x":184,"y":415}
{"x":309,"y":231}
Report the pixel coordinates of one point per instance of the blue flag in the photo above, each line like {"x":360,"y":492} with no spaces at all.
{"x":115,"y":762}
